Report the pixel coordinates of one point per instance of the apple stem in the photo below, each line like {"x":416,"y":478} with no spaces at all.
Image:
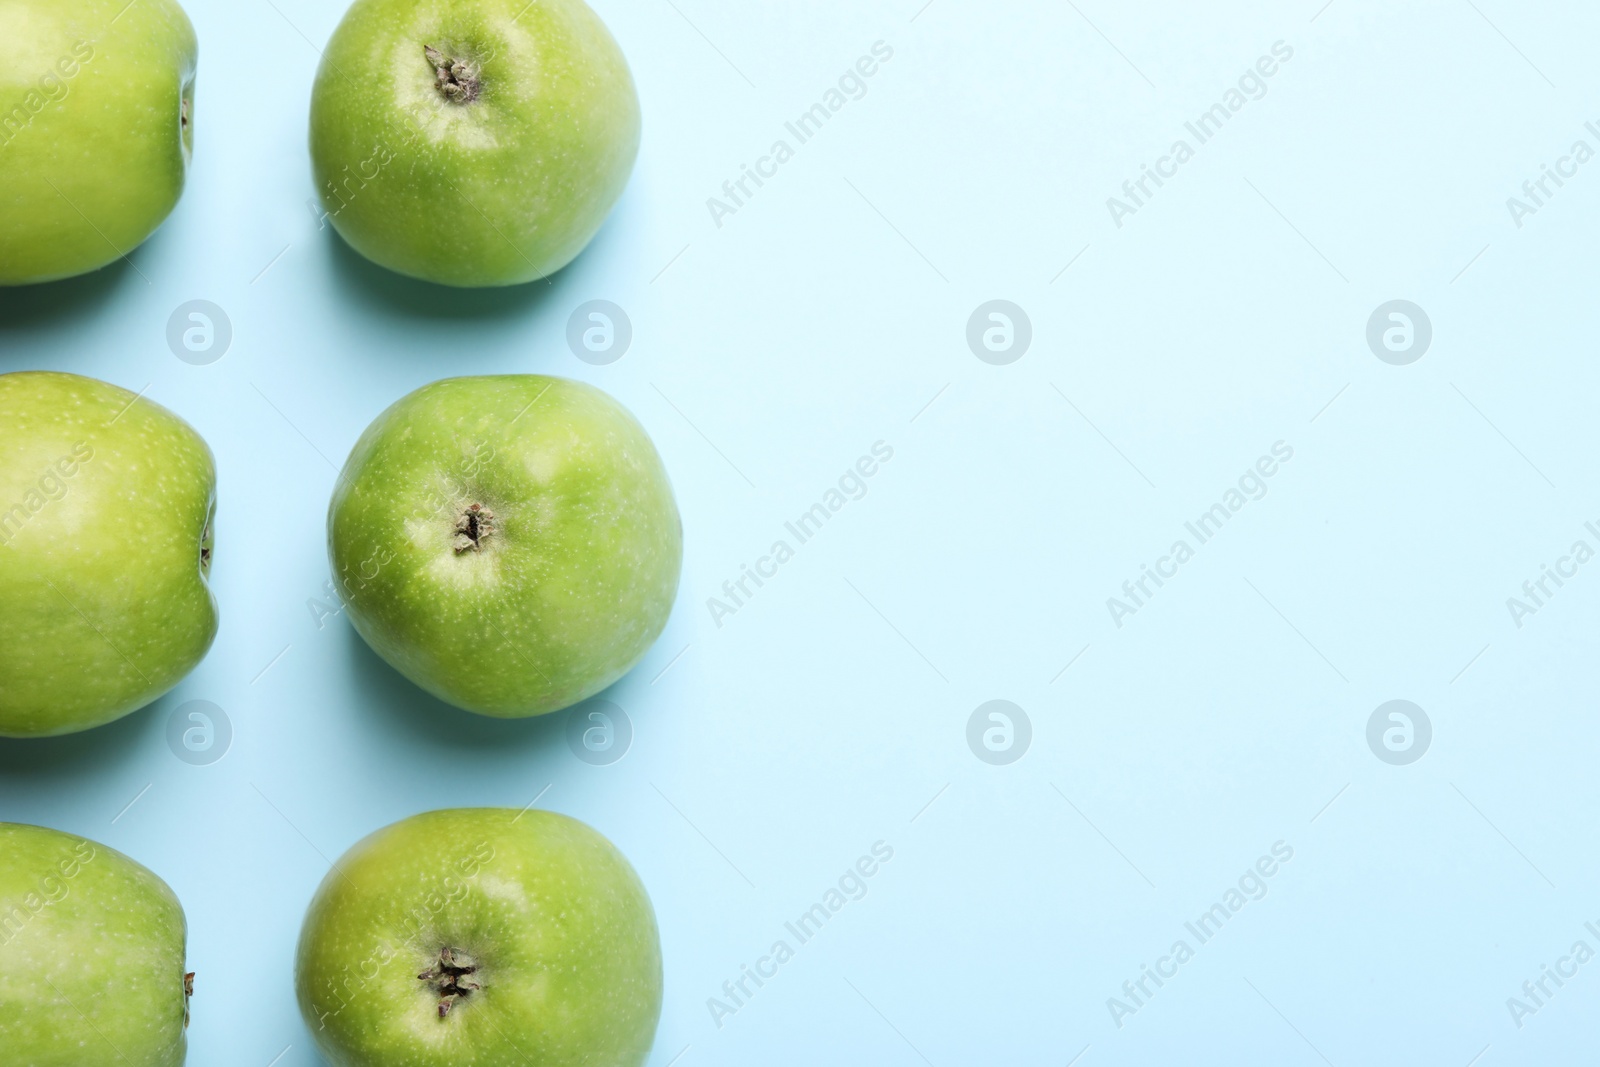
{"x":448,"y":978}
{"x":474,"y":526}
{"x":457,"y":80}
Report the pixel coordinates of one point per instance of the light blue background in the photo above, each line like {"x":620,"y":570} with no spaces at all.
{"x":829,"y":313}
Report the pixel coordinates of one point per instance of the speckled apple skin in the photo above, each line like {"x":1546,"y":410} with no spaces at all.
{"x":502,"y":190}
{"x":91,"y":956}
{"x":576,"y":581}
{"x":557,"y":921}
{"x":106,"y":502}
{"x":96,"y":130}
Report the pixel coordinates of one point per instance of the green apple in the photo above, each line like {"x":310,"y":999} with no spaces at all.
{"x":509,"y":543}
{"x":96,"y":127}
{"x":106,"y":506}
{"x":472,"y":142}
{"x":91,"y":956}
{"x":481,"y":937}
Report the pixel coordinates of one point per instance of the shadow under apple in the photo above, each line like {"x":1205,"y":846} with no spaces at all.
{"x":393,"y":699}
{"x":80,"y":755}
{"x":26,"y":307}
{"x":397,"y":294}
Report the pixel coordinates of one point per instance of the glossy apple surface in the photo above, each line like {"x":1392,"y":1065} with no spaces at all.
{"x":481,"y":937}
{"x":91,"y":956}
{"x":96,"y":128}
{"x":472,"y":142}
{"x":509,"y":543}
{"x":106,"y":505}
